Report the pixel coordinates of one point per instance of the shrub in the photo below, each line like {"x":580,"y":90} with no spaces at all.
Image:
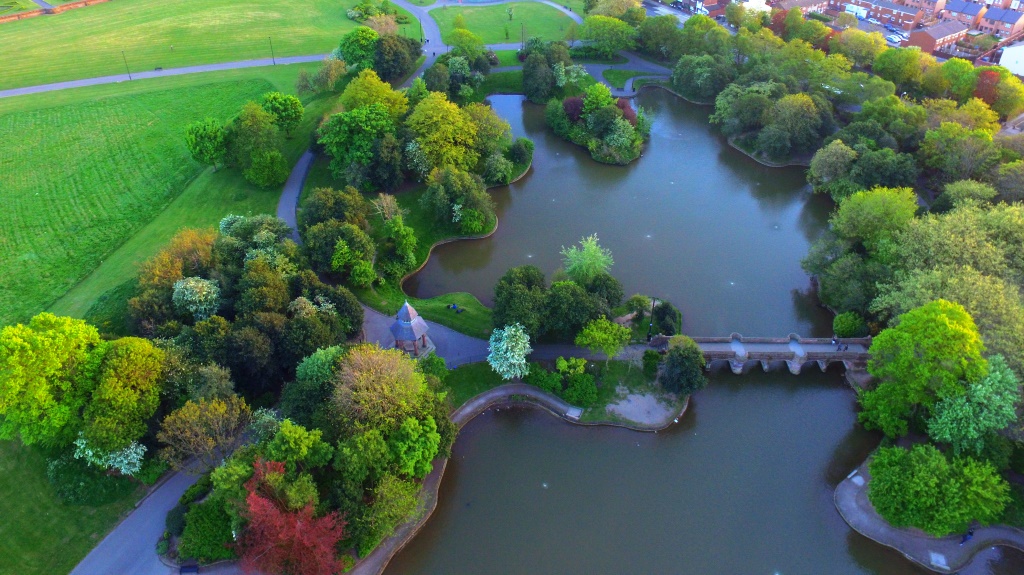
{"x":175,"y":520}
{"x":164,"y":544}
{"x":498,"y":170}
{"x":849,"y":324}
{"x":78,"y":483}
{"x":667,"y":319}
{"x":549,"y":381}
{"x":207,"y":534}
{"x":268,"y":168}
{"x":684,"y":367}
{"x":152,"y":470}
{"x":651,"y":361}
{"x":521,"y":151}
{"x":581,"y":390}
{"x":196,"y":491}
{"x":557,"y":119}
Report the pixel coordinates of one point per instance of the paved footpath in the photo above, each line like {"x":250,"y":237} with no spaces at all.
{"x":942,"y":554}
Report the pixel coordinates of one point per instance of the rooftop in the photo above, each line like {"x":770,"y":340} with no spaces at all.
{"x":1003,"y":15}
{"x":943,"y":29}
{"x":893,"y":6}
{"x":964,"y":7}
{"x":790,"y":4}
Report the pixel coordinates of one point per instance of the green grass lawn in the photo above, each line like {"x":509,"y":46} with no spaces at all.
{"x":88,"y":42}
{"x":499,"y":83}
{"x":617,"y":78}
{"x":111,"y":181}
{"x":470,"y":380}
{"x":490,"y":22}
{"x":38,"y":534}
{"x":507,"y":58}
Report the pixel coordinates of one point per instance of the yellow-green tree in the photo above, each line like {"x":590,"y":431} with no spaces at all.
{"x":205,"y":430}
{"x":367,"y":88}
{"x":126,"y":395}
{"x":445,"y":134}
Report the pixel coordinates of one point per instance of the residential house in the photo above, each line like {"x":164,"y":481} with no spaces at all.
{"x":905,"y":17}
{"x":938,"y":37}
{"x":1013,"y":58}
{"x":963,"y":11}
{"x":1001,"y":22}
{"x":805,"y":6}
{"x":928,"y":7}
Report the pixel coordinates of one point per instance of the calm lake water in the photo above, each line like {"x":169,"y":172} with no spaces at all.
{"x":692,"y":221}
{"x":743,"y":485}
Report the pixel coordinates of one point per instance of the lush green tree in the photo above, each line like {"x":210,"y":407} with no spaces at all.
{"x":394,"y":502}
{"x":451,"y":193}
{"x":298,"y":448}
{"x":921,"y":488}
{"x":414,"y":446}
{"x":961,"y":76}
{"x":367,"y":89}
{"x":684,"y":367}
{"x":860,"y":47}
{"x":464,"y":43}
{"x":873,"y":217}
{"x":740,"y":109}
{"x":701,"y":77}
{"x":901,"y":66}
{"x":584,"y":262}
{"x":508,"y":348}
{"x":47,"y":373}
{"x":252,"y":132}
{"x":884,"y":168}
{"x":702,"y":35}
{"x":349,"y":137}
{"x":958,"y":153}
{"x":963,"y":193}
{"x":206,"y":140}
{"x":660,"y":37}
{"x":437,"y":78}
{"x":378,"y":388}
{"x":608,"y":35}
{"x":989,"y":405}
{"x":445,"y":134}
{"x":829,"y":164}
{"x":567,"y":308}
{"x":205,"y":431}
{"x":607,"y":337}
{"x":1010,"y":181}
{"x":607,"y":288}
{"x":519,"y":298}
{"x":346,"y":205}
{"x":795,"y":115}
{"x":126,"y":395}
{"x":973,"y":114}
{"x":286,"y":109}
{"x":359,"y":48}
{"x":494,"y":134}
{"x":266,"y":168}
{"x":394,"y":59}
{"x":904,"y":122}
{"x":207,"y":536}
{"x":849,"y":324}
{"x":538,"y":78}
{"x":933,"y":351}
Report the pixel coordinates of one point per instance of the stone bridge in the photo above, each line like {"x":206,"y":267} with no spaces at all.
{"x":743,"y":353}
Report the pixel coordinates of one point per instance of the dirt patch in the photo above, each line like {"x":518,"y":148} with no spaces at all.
{"x":645,"y":408}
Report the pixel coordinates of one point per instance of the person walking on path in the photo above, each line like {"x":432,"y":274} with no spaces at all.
{"x":967,"y":536}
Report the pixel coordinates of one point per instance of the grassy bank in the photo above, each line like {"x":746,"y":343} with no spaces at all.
{"x":118,"y":182}
{"x":38,"y":534}
{"x":492,"y":24}
{"x":617,"y":78}
{"x":89,"y":42}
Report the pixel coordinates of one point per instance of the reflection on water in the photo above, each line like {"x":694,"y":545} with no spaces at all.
{"x":693,"y":221}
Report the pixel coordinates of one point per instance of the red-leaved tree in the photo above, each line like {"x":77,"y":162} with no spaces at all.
{"x":985,"y":89}
{"x":281,"y":541}
{"x":627,"y":110}
{"x":573,"y":108}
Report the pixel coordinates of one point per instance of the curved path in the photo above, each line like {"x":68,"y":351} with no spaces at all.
{"x":942,"y":554}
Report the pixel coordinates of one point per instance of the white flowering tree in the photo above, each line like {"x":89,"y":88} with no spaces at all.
{"x":128,"y":460}
{"x":508,"y":349}
{"x":196,"y":296}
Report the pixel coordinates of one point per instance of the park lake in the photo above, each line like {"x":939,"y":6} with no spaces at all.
{"x":744,"y":483}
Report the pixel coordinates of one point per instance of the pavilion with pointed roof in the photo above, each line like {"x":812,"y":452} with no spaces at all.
{"x":410,"y":332}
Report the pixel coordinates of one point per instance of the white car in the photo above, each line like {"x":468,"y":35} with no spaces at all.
{"x":874,"y":21}
{"x":895,"y":39}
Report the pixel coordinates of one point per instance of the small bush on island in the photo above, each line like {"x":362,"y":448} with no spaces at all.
{"x":849,"y":324}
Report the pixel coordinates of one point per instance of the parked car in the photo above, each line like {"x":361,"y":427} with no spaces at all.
{"x":874,"y":21}
{"x":895,"y":39}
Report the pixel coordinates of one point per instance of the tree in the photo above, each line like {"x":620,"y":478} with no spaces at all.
{"x":126,"y":395}
{"x":383,"y":24}
{"x":901,"y":66}
{"x":197,"y":297}
{"x":567,"y":308}
{"x":929,"y":355}
{"x":921,"y":488}
{"x":298,"y":543}
{"x":266,"y":168}
{"x":47,"y":371}
{"x":493,"y":133}
{"x":796,"y":115}
{"x":286,"y":109}
{"x":588,"y":260}
{"x":958,"y":153}
{"x":884,"y":168}
{"x":845,"y":20}
{"x":378,"y":388}
{"x":659,"y":36}
{"x":252,"y":132}
{"x":395,"y":501}
{"x":327,"y":75}
{"x":604,"y":336}
{"x":298,"y":448}
{"x":963,"y":192}
{"x":349,"y":137}
{"x":830,"y":163}
{"x":206,"y":430}
{"x":1010,"y":181}
{"x":206,"y":141}
{"x":519,"y":298}
{"x":875,"y":216}
{"x":437,"y":78}
{"x":684,"y":367}
{"x":445,"y":134}
{"x":367,"y":89}
{"x":414,"y":446}
{"x":964,"y":421}
{"x":538,"y":79}
{"x":508,"y":348}
{"x":860,"y":47}
{"x":961,"y":76}
{"x":464,"y":43}
{"x":701,"y":77}
{"x":359,"y":48}
{"x":207,"y":536}
{"x":609,"y":35}
{"x":395,"y":56}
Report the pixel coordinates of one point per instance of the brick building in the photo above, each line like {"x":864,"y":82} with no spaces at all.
{"x":905,"y":17}
{"x":927,"y":7}
{"x":1001,"y":22}
{"x":805,"y":6}
{"x":963,"y":11}
{"x":938,"y":37}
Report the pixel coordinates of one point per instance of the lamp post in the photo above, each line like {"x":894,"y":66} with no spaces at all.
{"x":650,"y":325}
